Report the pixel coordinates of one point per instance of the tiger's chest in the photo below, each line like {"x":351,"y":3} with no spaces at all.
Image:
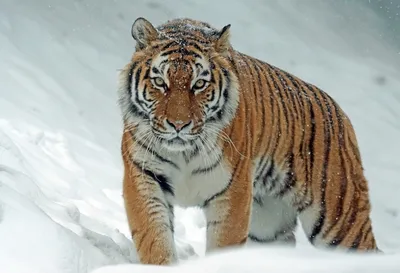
{"x":196,"y":180}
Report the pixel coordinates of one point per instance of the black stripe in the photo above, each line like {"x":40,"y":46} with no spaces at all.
{"x":367,"y":233}
{"x":258,"y":200}
{"x":348,"y":221}
{"x":208,"y":200}
{"x":357,"y":241}
{"x":213,"y":223}
{"x":161,"y":179}
{"x":146,"y":74}
{"x":137,"y":78}
{"x":272,"y":107}
{"x":135,"y":111}
{"x":271,"y":170}
{"x":343,"y":182}
{"x":147,"y":101}
{"x":212,"y":94}
{"x":292,"y":97}
{"x":205,"y":73}
{"x":299,"y":97}
{"x":199,"y":66}
{"x":154,"y":200}
{"x":272,"y":177}
{"x":214,"y":109}
{"x":311,"y":141}
{"x":293,"y":92}
{"x":317,"y":227}
{"x":196,"y":46}
{"x":361,"y":233}
{"x":335,"y":242}
{"x":212,"y":71}
{"x":321,"y":220}
{"x":261,"y":167}
{"x":253,"y":86}
{"x":181,"y":50}
{"x":218,"y":115}
{"x":272,"y":100}
{"x":289,"y":180}
{"x":171,"y":218}
{"x":168,"y":45}
{"x":309,"y":160}
{"x":209,"y":168}
{"x":261,"y":101}
{"x":162,"y":66}
{"x":260,"y":240}
{"x":276,"y":235}
{"x":222,"y":94}
{"x":234,"y":65}
{"x":282,"y":100}
{"x":138,"y":109}
{"x":327,"y":104}
{"x":220,"y":82}
{"x":287,"y":93}
{"x":155,"y":70}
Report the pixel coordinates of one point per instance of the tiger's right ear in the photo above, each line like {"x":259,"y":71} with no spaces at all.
{"x":143,"y":32}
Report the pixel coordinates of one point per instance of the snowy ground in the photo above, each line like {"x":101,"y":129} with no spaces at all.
{"x":60,"y":169}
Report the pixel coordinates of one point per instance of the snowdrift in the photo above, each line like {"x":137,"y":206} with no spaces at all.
{"x":272,"y":260}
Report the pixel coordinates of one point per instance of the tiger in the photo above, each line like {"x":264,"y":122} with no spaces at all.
{"x":256,"y":148}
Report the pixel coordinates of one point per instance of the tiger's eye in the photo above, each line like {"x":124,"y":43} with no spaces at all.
{"x":199,"y":84}
{"x":159,"y":82}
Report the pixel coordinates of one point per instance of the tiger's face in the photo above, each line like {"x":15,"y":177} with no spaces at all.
{"x":178,"y":93}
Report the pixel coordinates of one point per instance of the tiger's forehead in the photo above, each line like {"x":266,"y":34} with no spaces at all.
{"x":180,"y":61}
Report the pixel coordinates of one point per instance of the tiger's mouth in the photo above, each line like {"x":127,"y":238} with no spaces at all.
{"x":177,"y":144}
{"x":176,"y":141}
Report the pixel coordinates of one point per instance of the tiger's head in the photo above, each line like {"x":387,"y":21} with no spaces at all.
{"x":179,"y":90}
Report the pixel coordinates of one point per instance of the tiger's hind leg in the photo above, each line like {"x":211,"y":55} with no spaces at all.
{"x":272,"y":222}
{"x":340,"y":222}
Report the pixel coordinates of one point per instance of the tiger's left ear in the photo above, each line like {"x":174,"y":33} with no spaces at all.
{"x":143,"y":32}
{"x":222,"y":43}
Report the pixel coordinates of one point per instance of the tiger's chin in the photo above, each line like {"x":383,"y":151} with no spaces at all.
{"x":177,"y":145}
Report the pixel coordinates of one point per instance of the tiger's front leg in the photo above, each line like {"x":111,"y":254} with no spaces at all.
{"x":228,"y":212}
{"x":149,"y":216}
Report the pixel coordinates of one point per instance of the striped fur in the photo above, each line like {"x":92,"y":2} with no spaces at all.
{"x":256,"y":147}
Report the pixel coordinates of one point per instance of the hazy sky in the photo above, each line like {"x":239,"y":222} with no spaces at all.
{"x":389,"y":11}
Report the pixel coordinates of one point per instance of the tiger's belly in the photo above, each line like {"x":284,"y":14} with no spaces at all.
{"x":196,"y":181}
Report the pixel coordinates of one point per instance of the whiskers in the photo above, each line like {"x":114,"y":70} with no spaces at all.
{"x":142,"y":137}
{"x":149,"y":146}
{"x":207,"y":151}
{"x":218,"y":133}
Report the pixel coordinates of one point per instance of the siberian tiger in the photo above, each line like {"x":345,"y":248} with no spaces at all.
{"x":252,"y":145}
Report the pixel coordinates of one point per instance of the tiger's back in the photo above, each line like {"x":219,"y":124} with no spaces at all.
{"x":306,"y":153}
{"x":252,"y":145}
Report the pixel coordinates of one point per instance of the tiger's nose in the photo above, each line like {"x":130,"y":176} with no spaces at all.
{"x":178,"y":125}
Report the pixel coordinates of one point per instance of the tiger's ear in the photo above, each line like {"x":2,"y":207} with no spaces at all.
{"x":222,"y":43}
{"x":143,"y":32}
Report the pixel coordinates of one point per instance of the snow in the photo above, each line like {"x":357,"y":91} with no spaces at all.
{"x":60,"y":166}
{"x":271,"y":260}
